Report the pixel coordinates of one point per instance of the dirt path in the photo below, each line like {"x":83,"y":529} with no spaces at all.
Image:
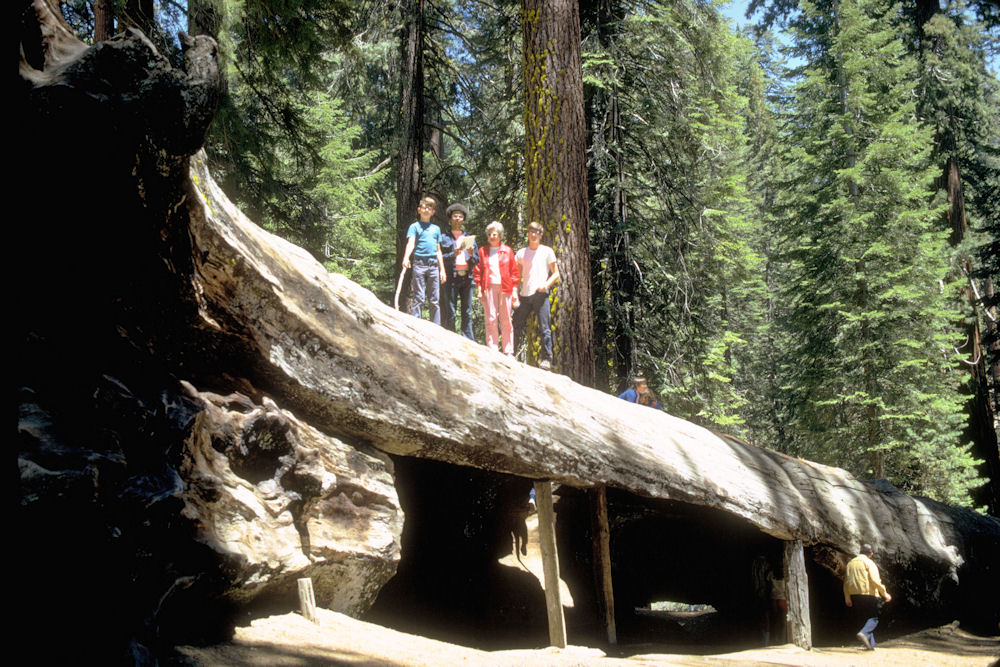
{"x":342,"y":640}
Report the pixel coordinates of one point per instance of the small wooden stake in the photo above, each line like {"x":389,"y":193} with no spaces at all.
{"x":602,"y":560}
{"x":550,"y":563}
{"x":799,"y":628}
{"x":307,"y":600}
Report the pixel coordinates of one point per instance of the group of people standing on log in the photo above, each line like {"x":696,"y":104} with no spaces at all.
{"x":447,"y":268}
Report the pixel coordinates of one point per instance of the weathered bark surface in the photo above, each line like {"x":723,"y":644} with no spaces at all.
{"x":556,"y":172}
{"x":601,"y":532}
{"x":797,"y":590}
{"x":150,"y":510}
{"x":278,"y":499}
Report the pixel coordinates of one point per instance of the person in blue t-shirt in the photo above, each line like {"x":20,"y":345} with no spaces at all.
{"x":632,"y":393}
{"x":423,"y":243}
{"x":640,"y":393}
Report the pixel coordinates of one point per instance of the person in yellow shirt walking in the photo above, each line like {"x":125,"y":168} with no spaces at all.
{"x":862,"y":588}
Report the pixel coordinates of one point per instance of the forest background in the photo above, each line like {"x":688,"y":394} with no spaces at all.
{"x":793,"y":226}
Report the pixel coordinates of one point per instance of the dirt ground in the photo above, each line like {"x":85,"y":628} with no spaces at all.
{"x":342,"y":640}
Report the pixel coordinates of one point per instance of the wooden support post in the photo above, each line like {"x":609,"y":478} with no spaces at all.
{"x":602,"y":560}
{"x":307,"y":600}
{"x":797,"y":624}
{"x":550,"y":563}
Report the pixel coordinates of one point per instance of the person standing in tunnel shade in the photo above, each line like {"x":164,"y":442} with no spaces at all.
{"x":862,"y":589}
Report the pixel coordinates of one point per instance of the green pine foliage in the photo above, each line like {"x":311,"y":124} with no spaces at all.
{"x":359,"y":232}
{"x":474,"y":85}
{"x":671,"y":238}
{"x":761,"y":368}
{"x":960,"y":100}
{"x":872,"y":301}
{"x":262,"y":147}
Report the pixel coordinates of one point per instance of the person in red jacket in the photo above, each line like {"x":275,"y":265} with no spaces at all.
{"x":496,"y":276}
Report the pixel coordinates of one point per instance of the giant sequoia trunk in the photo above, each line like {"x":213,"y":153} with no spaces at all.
{"x":556,"y":173}
{"x":205,"y":412}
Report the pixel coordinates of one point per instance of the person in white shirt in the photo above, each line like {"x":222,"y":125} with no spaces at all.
{"x":539,"y":272}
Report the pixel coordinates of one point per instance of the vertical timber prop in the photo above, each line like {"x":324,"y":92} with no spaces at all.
{"x":602,"y":560}
{"x":798,"y":628}
{"x":307,"y":599}
{"x":550,"y":563}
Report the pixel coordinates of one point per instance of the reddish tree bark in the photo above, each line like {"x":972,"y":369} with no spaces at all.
{"x":556,"y":172}
{"x":104,"y":20}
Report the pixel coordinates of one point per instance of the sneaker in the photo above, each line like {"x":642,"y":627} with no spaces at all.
{"x":864,"y":640}
{"x":545,"y":365}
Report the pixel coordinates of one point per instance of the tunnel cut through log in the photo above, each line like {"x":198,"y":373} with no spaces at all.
{"x":459,"y":521}
{"x":663,"y":550}
{"x":213,"y":300}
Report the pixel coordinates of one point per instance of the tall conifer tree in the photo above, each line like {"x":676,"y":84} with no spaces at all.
{"x":555,"y":167}
{"x":872,"y":302}
{"x":958,"y":99}
{"x":673,"y":263}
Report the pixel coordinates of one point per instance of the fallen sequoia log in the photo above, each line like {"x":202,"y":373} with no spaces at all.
{"x":350,"y":365}
{"x":206,"y":412}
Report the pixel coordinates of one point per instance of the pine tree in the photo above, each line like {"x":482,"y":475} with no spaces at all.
{"x":956,"y":100}
{"x":871,"y":297}
{"x":261,"y":146}
{"x":673,"y":262}
{"x":760,"y":366}
{"x":358,"y":239}
{"x":615,"y":276}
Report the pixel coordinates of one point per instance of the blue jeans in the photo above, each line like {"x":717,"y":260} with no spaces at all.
{"x":425,"y":281}
{"x":867,"y":607}
{"x":537,"y":303}
{"x":459,"y":287}
{"x":869,"y":630}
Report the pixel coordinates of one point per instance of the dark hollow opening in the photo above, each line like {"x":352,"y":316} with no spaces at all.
{"x":449,"y":586}
{"x":460,"y":521}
